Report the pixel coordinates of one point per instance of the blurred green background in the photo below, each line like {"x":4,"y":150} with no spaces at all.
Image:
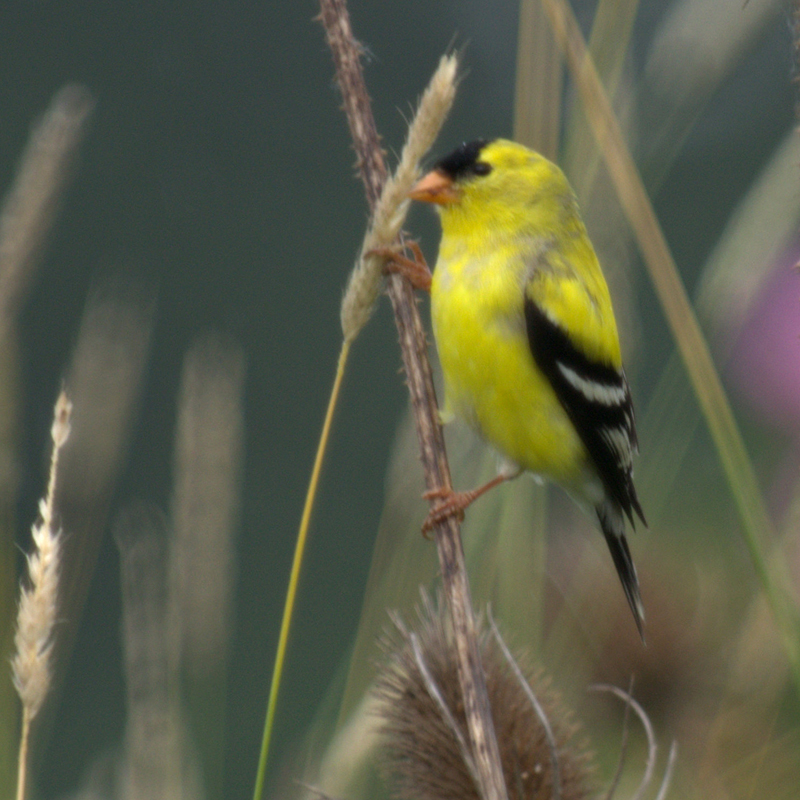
{"x":216,"y":177}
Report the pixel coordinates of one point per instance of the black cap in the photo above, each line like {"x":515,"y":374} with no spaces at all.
{"x":463,"y":161}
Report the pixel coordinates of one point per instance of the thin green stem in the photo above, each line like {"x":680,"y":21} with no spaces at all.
{"x":291,"y":592}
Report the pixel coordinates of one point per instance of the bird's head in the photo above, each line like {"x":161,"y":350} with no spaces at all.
{"x":494,"y":183}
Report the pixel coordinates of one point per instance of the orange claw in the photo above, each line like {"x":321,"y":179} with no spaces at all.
{"x":453,"y":504}
{"x":415,"y":269}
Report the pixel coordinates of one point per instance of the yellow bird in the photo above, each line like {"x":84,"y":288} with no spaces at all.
{"x":526,"y":335}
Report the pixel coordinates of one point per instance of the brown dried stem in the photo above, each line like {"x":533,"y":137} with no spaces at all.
{"x":413,"y":345}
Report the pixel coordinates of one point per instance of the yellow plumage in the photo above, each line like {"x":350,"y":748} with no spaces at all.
{"x":525,"y":330}
{"x":517,"y":231}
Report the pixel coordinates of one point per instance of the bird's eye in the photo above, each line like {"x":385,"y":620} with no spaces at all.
{"x":481,"y":168}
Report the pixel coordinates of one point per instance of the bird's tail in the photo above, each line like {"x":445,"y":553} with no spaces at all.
{"x":612,"y":523}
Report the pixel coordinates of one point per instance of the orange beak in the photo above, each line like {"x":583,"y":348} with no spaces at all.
{"x":435,"y":187}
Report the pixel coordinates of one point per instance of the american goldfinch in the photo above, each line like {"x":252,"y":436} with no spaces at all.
{"x":526,"y":335}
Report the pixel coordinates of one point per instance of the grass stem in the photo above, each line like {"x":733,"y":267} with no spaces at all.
{"x":291,"y":593}
{"x":22,"y":769}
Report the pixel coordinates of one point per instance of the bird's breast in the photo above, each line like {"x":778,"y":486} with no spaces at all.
{"x":491,"y":380}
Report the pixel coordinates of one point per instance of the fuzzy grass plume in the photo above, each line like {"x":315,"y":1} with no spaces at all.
{"x":29,"y":208}
{"x":38,"y":603}
{"x":366,"y":279}
{"x":157,"y":761}
{"x":422,"y":715}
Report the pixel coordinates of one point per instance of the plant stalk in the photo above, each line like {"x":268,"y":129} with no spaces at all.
{"x":413,"y":345}
{"x":22,"y":769}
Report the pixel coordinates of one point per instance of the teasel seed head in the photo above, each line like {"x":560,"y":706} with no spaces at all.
{"x":425,"y":752}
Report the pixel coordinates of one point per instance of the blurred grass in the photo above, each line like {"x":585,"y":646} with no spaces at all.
{"x":612,"y":27}
{"x":28,"y":212}
{"x":758,"y":531}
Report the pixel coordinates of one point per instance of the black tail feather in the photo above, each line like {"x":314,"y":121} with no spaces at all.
{"x":612,"y":525}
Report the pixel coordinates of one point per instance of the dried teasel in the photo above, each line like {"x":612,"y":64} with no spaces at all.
{"x":419,"y":699}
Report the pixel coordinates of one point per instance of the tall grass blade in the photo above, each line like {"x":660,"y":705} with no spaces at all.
{"x":697,"y":46}
{"x":540,"y":77}
{"x":759,"y":231}
{"x":757,"y":527}
{"x":608,"y":45}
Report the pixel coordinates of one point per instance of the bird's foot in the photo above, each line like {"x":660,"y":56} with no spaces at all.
{"x":415,"y":269}
{"x":451,"y":504}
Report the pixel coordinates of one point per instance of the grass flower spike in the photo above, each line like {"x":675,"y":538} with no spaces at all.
{"x":364,"y":284}
{"x":38,"y":603}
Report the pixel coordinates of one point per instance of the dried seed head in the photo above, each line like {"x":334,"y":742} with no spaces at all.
{"x":423,"y":759}
{"x":366,"y":279}
{"x":36,"y":616}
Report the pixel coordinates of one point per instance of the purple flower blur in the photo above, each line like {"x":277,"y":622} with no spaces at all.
{"x":764,"y":364}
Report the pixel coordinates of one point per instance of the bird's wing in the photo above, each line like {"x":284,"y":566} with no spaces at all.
{"x":592,"y":389}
